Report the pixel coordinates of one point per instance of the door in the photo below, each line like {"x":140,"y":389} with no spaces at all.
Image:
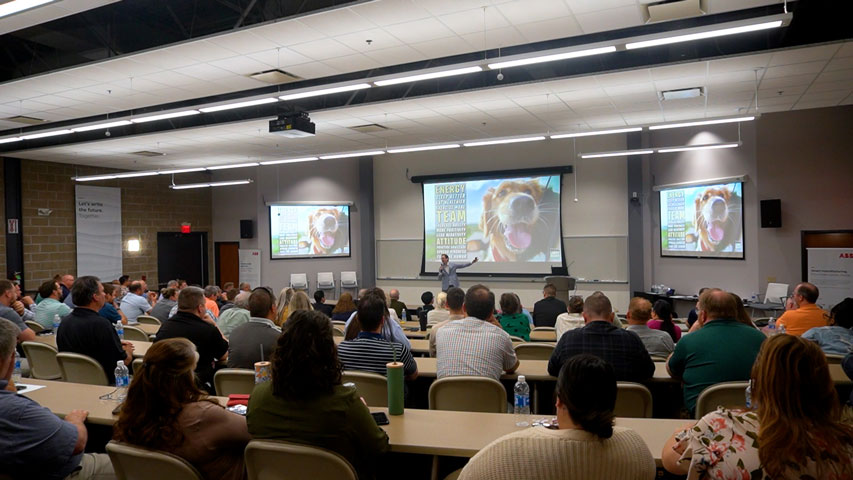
{"x":226,"y":261}
{"x":184,"y":256}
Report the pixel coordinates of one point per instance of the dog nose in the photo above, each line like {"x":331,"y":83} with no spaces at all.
{"x":522,"y":204}
{"x":329,"y":221}
{"x":718,"y":207}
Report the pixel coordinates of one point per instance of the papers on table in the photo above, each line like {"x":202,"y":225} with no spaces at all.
{"x":27,"y":388}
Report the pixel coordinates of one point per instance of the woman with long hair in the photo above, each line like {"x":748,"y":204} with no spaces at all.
{"x":284,"y":298}
{"x":512,"y":320}
{"x":305,"y":401}
{"x":344,"y":308}
{"x":662,"y":320}
{"x":165,"y":410}
{"x":742,"y":315}
{"x":298,"y":302}
{"x":794,"y":431}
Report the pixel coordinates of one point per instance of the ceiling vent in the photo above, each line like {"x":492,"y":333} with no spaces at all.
{"x":148,"y":153}
{"x":25,"y":120}
{"x":663,"y":11}
{"x":682,"y":93}
{"x":369,"y":128}
{"x":275,"y":76}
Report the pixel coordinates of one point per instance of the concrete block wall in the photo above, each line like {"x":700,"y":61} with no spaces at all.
{"x":3,"y":218}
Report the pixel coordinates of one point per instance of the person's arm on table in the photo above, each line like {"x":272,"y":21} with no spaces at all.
{"x":76,"y":418}
{"x":510,"y":359}
{"x":410,"y":368}
{"x":675,"y":361}
{"x":673,"y":449}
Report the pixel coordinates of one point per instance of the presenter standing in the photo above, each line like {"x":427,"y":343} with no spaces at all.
{"x":447,"y":272}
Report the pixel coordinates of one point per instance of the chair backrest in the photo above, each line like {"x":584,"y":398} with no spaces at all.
{"x":775,"y":292}
{"x":325,"y":280}
{"x":78,"y":368}
{"x":339,"y":323}
{"x":658,"y":358}
{"x":544,"y":329}
{"x":42,"y":359}
{"x":148,"y":319}
{"x":349,"y":280}
{"x":633,"y":400}
{"x":371,"y":386}
{"x":274,"y":460}
{"x":135,"y":463}
{"x":234,"y":380}
{"x":135,"y":334}
{"x":299,"y":281}
{"x":136,"y":364}
{"x":516,"y":339}
{"x":338,"y":331}
{"x":534,"y":351}
{"x":727,"y":394}
{"x":830,"y":358}
{"x":468,"y":394}
{"x":34,"y":326}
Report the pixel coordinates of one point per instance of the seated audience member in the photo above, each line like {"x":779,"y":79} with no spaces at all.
{"x":585,"y":446}
{"x":475,"y":345}
{"x":807,"y":315}
{"x":395,"y":303}
{"x":790,"y":304}
{"x":837,"y":338}
{"x":164,"y":307}
{"x":662,"y":320}
{"x":742,"y":315}
{"x":320,"y":303}
{"x":600,"y":337}
{"x":369,"y":351}
{"x":124,"y":284}
{"x":305,"y":402}
{"x":694,"y":312}
{"x":391,"y":330}
{"x":193,"y":323}
{"x":36,"y":443}
{"x":455,"y":301}
{"x":427,"y":298}
{"x":546,"y":311}
{"x":572,"y":319}
{"x":134,"y":303}
{"x":23,"y":304}
{"x":222,"y":299}
{"x":344,"y":308}
{"x":7,"y":297}
{"x":298,"y":303}
{"x":84,"y":331}
{"x":440,"y":312}
{"x":245,"y":287}
{"x":794,"y":433}
{"x":511,"y":319}
{"x":229,"y":294}
{"x":66,"y":282}
{"x":165,"y":410}
{"x":211,"y":293}
{"x":50,"y":304}
{"x":258,"y":334}
{"x":657,"y":342}
{"x":109,"y":310}
{"x":283,"y":302}
{"x":721,"y":350}
{"x":237,"y":315}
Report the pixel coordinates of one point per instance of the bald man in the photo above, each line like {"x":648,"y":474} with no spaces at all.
{"x":807,"y":315}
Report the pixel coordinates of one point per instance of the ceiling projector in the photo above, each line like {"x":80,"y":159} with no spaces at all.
{"x":293,"y":125}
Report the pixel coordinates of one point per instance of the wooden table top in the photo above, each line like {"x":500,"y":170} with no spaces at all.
{"x":139,"y":348}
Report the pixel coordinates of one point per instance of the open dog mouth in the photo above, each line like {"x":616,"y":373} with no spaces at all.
{"x":517,"y":235}
{"x":327,"y":239}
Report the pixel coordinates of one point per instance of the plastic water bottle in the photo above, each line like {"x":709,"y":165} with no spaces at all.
{"x":749,"y":395}
{"x":782,"y":329}
{"x":522,"y":401}
{"x":771,"y":325}
{"x":403,"y":316}
{"x":122,"y":380}
{"x":120,"y":330}
{"x":56,"y":321}
{"x":16,"y":374}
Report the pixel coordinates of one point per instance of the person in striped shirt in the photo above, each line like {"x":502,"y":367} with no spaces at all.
{"x":369,"y":351}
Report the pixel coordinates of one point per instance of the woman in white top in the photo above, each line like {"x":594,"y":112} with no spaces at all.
{"x":440,"y":313}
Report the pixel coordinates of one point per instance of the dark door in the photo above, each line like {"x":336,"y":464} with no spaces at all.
{"x":184,"y":256}
{"x":226,"y":259}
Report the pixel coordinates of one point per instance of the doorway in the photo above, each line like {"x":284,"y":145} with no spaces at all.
{"x":226,"y":262}
{"x":184,"y":256}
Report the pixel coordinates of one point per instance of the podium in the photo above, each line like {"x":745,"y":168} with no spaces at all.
{"x":564,"y":285}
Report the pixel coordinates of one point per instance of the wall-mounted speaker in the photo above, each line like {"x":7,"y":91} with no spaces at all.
{"x":247,"y":230}
{"x":771,"y":213}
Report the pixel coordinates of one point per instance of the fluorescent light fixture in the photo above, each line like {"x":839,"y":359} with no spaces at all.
{"x":325,"y":91}
{"x":701,"y":35}
{"x":229,"y":106}
{"x":427,"y":76}
{"x":210,"y":184}
{"x":99,"y":126}
{"x":54,"y":133}
{"x":690,"y":148}
{"x":16,"y":6}
{"x":236,"y":165}
{"x":702,"y":122}
{"x":148,"y":173}
{"x":182,"y":170}
{"x":598,"y":132}
{"x":503,"y":141}
{"x":10,"y":139}
{"x":164,"y":116}
{"x":424,"y":148}
{"x":621,"y":153}
{"x":352,"y":154}
{"x":133,"y":245}
{"x":290,"y":160}
{"x":94,"y":178}
{"x":552,"y":58}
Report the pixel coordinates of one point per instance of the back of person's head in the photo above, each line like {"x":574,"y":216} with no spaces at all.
{"x":47,"y":288}
{"x":371,"y":311}
{"x":172,"y":284}
{"x":300,"y":301}
{"x":394,"y":294}
{"x":663,"y":311}
{"x":242,"y":299}
{"x":798,"y":408}
{"x":305,"y":362}
{"x":575,"y":304}
{"x":455,"y":298}
{"x":360,"y":293}
{"x":165,"y":383}
{"x":550,"y":290}
{"x":228,"y":286}
{"x":427,"y":298}
{"x":135,"y":287}
{"x":703,"y":290}
{"x":319,"y":296}
{"x":509,"y":304}
{"x":586,"y":387}
{"x":808,"y":291}
{"x":742,"y":315}
{"x":231,"y":294}
{"x":480,"y":302}
{"x":190,"y":299}
{"x":123,"y":279}
{"x":261,"y":302}
{"x":109,"y":288}
{"x":842,"y":313}
{"x":345,"y":304}
{"x":640,"y":309}
{"x":169,"y":292}
{"x":5,"y":286}
{"x":717,"y":304}
{"x":441,"y":300}
{"x":597,"y":306}
{"x":8,"y":338}
{"x":211,"y":291}
{"x":84,"y":289}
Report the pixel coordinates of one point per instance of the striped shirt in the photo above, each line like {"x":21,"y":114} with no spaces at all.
{"x":369,"y":352}
{"x":473,"y":347}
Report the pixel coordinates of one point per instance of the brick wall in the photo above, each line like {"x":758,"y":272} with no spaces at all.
{"x":148,"y":206}
{"x":3,"y":219}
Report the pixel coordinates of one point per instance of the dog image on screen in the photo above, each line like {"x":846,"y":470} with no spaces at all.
{"x":518,"y":221}
{"x":329,"y":230}
{"x":717,"y":219}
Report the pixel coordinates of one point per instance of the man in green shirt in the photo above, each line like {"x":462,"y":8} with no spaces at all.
{"x":722,"y":350}
{"x":50,"y":304}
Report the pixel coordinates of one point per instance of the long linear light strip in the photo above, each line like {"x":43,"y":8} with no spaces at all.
{"x":428,"y":76}
{"x":290,"y":160}
{"x":181,"y":170}
{"x":10,"y":139}
{"x":352,"y":154}
{"x":54,"y":133}
{"x":504,"y":141}
{"x":88,"y":128}
{"x":424,"y":148}
{"x":16,"y":6}
{"x":552,"y":58}
{"x":702,"y":122}
{"x":165,"y":116}
{"x":326,"y":91}
{"x":210,"y":184}
{"x":702,"y":35}
{"x":236,"y":165}
{"x":598,"y":132}
{"x":230,"y":106}
{"x":691,"y":148}
{"x":620,"y":153}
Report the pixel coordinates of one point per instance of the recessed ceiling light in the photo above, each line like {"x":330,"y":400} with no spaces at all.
{"x":10,"y":139}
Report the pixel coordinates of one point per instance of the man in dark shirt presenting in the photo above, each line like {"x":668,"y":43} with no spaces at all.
{"x":193,"y":323}
{"x":546,"y":311}
{"x":86,"y":332}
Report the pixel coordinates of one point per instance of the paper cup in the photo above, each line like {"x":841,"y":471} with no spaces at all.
{"x":263,"y":372}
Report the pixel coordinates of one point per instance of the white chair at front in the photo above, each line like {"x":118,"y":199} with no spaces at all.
{"x":266,"y":459}
{"x":135,"y":463}
{"x":349,"y":281}
{"x":326,"y":281}
{"x":299,"y":281}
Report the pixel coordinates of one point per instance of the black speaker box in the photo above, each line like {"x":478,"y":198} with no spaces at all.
{"x":246,"y":229}
{"x":771,"y":213}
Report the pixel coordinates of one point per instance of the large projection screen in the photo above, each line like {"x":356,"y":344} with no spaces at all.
{"x":309,"y":231}
{"x":511,"y":222}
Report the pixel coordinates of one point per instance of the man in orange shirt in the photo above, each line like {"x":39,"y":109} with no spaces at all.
{"x":807,"y":315}
{"x":211,"y":293}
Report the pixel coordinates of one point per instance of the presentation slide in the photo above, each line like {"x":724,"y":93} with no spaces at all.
{"x":512,"y":225}
{"x":306,"y":231}
{"x":702,"y":221}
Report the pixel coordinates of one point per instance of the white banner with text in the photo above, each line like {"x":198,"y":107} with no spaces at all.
{"x":99,"y":232}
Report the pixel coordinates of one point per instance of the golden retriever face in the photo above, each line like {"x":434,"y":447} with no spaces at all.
{"x":509,"y":213}
{"x":714,"y":219}
{"x":325,"y":224}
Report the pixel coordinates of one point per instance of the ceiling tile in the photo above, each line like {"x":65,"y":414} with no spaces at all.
{"x":533,"y":10}
{"x":839,"y":63}
{"x":389,"y":12}
{"x":323,"y":49}
{"x":419,"y":30}
{"x":379,"y":39}
{"x":803,"y":55}
{"x":352,"y":63}
{"x":473,"y":21}
{"x":289,"y":32}
{"x":796,"y":69}
{"x":243,"y":42}
{"x":550,"y":29}
{"x":202,"y":71}
{"x":612,"y":19}
{"x":587,"y":6}
{"x":337,"y":22}
{"x":313,"y":70}
{"x":395,"y":55}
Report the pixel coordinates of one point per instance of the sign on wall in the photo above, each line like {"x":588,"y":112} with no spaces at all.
{"x":250,"y":267}
{"x":831,"y":271}
{"x":99,"y":232}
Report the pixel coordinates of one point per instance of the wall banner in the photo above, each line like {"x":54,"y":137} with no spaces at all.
{"x":99,"y":245}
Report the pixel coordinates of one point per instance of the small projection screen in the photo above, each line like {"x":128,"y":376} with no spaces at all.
{"x":309,"y":231}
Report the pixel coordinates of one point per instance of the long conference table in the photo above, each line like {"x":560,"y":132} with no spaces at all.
{"x":426,"y":432}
